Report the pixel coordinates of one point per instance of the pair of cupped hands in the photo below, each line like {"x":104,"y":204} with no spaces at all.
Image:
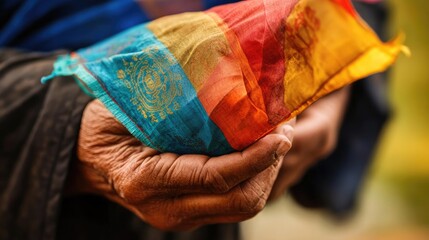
{"x":182,"y":192}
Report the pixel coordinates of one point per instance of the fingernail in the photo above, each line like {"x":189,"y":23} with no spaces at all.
{"x":283,"y":149}
{"x":288,"y":132}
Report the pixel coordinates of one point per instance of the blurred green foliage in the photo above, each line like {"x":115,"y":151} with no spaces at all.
{"x":404,"y":149}
{"x":403,"y":158}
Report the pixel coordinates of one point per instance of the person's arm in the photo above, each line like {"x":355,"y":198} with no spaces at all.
{"x":170,"y":191}
{"x":315,"y":137}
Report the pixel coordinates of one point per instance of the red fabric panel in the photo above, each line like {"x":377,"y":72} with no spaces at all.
{"x":261,"y":37}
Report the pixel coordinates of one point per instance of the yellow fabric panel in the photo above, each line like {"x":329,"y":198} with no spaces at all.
{"x":310,"y":38}
{"x":376,"y":59}
{"x":195,"y":40}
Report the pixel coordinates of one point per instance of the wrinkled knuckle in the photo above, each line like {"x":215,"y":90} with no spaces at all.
{"x":215,"y":182}
{"x":215,"y":187}
{"x":255,"y":206}
{"x":259,"y":206}
{"x":123,"y":189}
{"x":89,"y":146}
{"x":128,"y":191}
{"x":252,"y":204}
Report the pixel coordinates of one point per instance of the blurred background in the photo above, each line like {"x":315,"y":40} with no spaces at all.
{"x":394,"y":203}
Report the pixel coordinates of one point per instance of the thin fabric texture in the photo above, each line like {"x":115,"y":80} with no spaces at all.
{"x":214,"y":82}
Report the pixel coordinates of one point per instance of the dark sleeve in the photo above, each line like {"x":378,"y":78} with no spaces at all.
{"x":38,"y":130}
{"x":334,"y":183}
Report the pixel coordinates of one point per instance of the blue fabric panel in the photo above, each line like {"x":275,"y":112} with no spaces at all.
{"x":144,"y":86}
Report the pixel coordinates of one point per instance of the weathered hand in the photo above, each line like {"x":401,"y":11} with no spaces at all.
{"x":315,"y":137}
{"x":170,"y":191}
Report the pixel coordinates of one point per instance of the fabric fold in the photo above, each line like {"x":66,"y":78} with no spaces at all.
{"x":214,"y":82}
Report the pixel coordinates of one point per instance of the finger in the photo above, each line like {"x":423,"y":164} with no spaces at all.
{"x":242,"y":202}
{"x":282,"y":182}
{"x":287,"y":178}
{"x":178,"y":175}
{"x":308,"y":134}
{"x":253,"y":160}
{"x":286,"y":128}
{"x":300,"y":157}
{"x":305,"y":144}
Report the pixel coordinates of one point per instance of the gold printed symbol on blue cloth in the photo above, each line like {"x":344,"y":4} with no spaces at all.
{"x":154,"y":86}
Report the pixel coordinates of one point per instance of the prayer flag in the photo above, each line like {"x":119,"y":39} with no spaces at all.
{"x":216,"y":81}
